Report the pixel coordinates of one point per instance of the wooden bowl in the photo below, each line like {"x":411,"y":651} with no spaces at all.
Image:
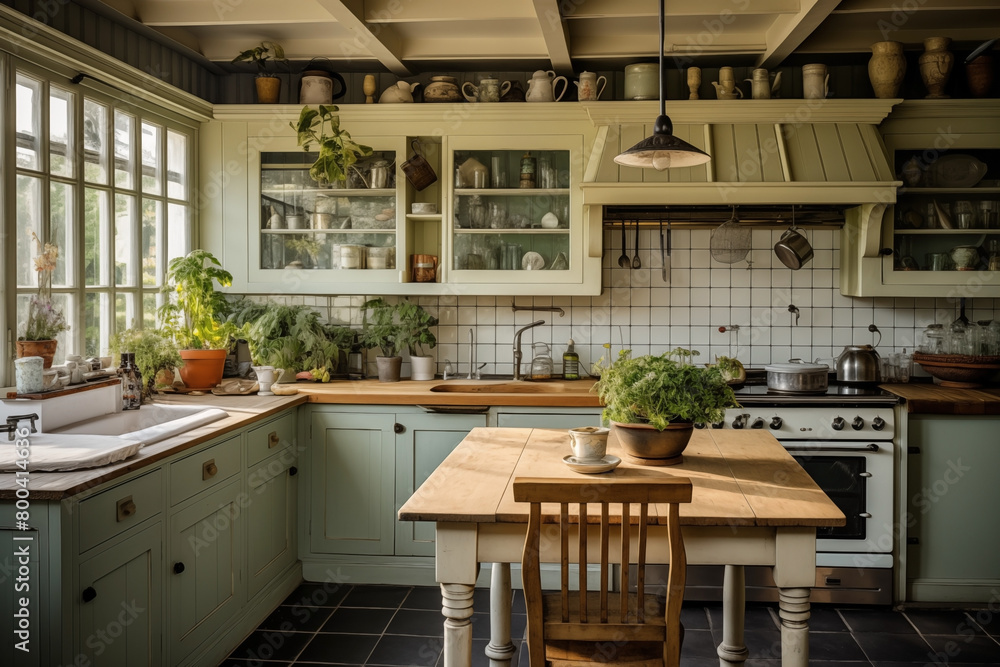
{"x":957,"y":370}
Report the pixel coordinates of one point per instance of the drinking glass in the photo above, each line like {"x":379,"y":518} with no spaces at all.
{"x":936,"y":261}
{"x":989,"y":214}
{"x":499,"y":171}
{"x":965,"y":215}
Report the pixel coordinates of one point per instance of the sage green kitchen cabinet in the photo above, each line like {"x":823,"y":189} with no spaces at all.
{"x":561,"y":418}
{"x":951,"y":492}
{"x":272,"y":494}
{"x":422,"y":443}
{"x":118,"y":602}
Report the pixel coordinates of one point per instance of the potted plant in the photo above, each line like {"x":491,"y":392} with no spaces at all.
{"x":653,"y":402}
{"x":414,"y":333}
{"x":337,"y":151}
{"x":44,"y":321}
{"x":156,"y":355}
{"x":381,"y":330}
{"x":268,"y":84}
{"x":194,"y":315}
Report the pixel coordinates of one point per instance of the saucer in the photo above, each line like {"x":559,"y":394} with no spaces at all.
{"x":590,"y":467}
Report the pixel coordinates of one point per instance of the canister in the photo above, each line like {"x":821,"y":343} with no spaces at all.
{"x":28,"y":374}
{"x":642,"y":81}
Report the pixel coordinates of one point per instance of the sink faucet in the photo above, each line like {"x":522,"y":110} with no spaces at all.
{"x":473,"y":373}
{"x":517,"y":347}
{"x":13,"y":420}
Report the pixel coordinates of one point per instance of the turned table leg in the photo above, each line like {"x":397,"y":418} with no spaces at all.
{"x":500,"y":650}
{"x":456,"y":569}
{"x":456,"y":605}
{"x":732,"y":651}
{"x":795,"y":575}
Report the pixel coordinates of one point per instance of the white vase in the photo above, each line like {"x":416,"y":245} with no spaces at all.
{"x":422,"y":368}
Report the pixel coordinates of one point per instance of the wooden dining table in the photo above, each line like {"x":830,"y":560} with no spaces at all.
{"x":752,"y":504}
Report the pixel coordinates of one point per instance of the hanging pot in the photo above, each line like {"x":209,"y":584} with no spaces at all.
{"x":417,"y":170}
{"x":793,"y":249}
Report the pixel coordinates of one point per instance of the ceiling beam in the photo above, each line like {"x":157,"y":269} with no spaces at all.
{"x":556,"y":36}
{"x":789,"y":30}
{"x":378,"y":40}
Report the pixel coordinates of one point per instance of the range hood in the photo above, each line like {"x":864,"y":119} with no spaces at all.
{"x":764,"y":152}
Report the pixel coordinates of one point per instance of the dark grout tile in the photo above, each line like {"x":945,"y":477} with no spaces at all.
{"x":252,"y":663}
{"x":833,"y":646}
{"x":826,"y":619}
{"x":397,"y":650}
{"x":756,"y":618}
{"x":986,"y":619}
{"x":885,"y":646}
{"x":385,"y":597}
{"x":271,"y":645}
{"x":343,"y":648}
{"x":694,"y":618}
{"x":698,"y":644}
{"x":314,"y":664}
{"x":700,"y":662}
{"x":424,"y":597}
{"x":481,"y":600}
{"x":317,"y":595}
{"x":963,"y":649}
{"x":416,"y":622}
{"x":518,"y":605}
{"x":762,"y":644}
{"x":838,"y":663}
{"x":296,"y":619}
{"x":877,"y":620}
{"x":359,"y":621}
{"x":942,"y":622}
{"x":481,"y":626}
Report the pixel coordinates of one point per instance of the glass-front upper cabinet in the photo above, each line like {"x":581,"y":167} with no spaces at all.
{"x":515,"y":215}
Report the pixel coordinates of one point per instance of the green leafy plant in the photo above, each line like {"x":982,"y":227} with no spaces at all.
{"x":194,"y":312}
{"x":337,"y":151}
{"x":259,"y":55}
{"x":415,"y":328}
{"x":381,"y":329}
{"x":154,"y":352}
{"x":306,"y":247}
{"x":659,"y":390}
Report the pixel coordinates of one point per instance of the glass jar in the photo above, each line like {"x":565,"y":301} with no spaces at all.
{"x":932,"y":339}
{"x":541,"y":362}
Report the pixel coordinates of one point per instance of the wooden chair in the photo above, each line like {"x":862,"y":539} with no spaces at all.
{"x":570,"y":629}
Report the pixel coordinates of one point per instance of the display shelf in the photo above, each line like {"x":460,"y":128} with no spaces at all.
{"x":339,"y":192}
{"x":423,"y":216}
{"x":945,"y":232}
{"x":508,"y":192}
{"x":533,"y":232}
{"x":329,"y":231}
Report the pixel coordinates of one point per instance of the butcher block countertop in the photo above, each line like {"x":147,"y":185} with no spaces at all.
{"x":930,"y":399}
{"x":243,"y":411}
{"x":557,"y":393}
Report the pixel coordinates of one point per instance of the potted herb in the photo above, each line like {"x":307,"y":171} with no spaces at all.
{"x":194,"y":315}
{"x":337,"y":151}
{"x":268,"y":84}
{"x":381,"y":330}
{"x":414,"y":334}
{"x":156,"y":355}
{"x":44,"y":321}
{"x":653,"y":402}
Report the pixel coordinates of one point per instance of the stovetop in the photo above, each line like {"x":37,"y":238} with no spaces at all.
{"x":755,"y":392}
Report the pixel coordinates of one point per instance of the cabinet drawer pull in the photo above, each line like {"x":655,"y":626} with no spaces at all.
{"x":125,"y":508}
{"x":209,"y":469}
{"x":89,"y":594}
{"x":178,"y":567}
{"x":273,"y":440}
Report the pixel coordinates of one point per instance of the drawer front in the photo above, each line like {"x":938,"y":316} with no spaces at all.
{"x":116,"y":510}
{"x":269,"y":439}
{"x":204,"y":470}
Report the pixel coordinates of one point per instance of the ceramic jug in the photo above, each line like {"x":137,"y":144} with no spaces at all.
{"x":725,"y":87}
{"x":401,"y":92}
{"x":488,"y":90}
{"x":761,"y":86}
{"x":590,"y":86}
{"x":442,"y":89}
{"x":542,"y":87}
{"x":815,"y":82}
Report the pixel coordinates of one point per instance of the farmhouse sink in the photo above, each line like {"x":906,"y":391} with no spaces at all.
{"x":500,"y":387}
{"x":150,"y":424}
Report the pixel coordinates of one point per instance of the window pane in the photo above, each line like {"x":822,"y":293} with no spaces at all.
{"x":152,"y":160}
{"x":61,"y":207}
{"x":178,"y":231}
{"x":124,"y":311}
{"x":152,"y":231}
{"x":124,"y":150}
{"x":97,"y":238}
{"x":28,"y":124}
{"x":97,"y":323}
{"x":95,"y":141}
{"x":149,"y":303}
{"x":29,"y":219}
{"x":176,"y":165}
{"x":60,"y":132}
{"x":124,"y":240}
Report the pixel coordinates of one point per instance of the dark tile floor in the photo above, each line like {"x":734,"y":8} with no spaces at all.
{"x":322,"y":624}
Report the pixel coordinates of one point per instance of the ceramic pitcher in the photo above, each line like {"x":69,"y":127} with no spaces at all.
{"x":488,"y":90}
{"x":590,"y":86}
{"x":761,"y":86}
{"x":401,"y":92}
{"x":725,"y":87}
{"x":542,"y":87}
{"x":815,"y":82}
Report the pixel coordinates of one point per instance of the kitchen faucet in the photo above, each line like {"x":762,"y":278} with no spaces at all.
{"x":517,"y":347}
{"x":13,"y":420}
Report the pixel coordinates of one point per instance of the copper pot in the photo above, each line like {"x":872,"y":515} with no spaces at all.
{"x":418,"y":171}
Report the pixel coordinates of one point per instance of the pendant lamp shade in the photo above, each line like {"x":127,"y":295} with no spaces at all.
{"x":662,"y":150}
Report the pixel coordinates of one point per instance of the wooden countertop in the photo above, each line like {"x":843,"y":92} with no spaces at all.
{"x":557,"y":393}
{"x":243,"y":410}
{"x":740,"y":478}
{"x":928,"y":399}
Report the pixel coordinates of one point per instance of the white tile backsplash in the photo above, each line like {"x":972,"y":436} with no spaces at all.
{"x":637,"y":310}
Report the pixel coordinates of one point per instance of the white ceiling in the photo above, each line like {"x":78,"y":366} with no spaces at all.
{"x":411,"y":36}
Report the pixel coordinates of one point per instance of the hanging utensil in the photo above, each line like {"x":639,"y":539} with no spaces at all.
{"x":623,"y":258}
{"x":793,"y":248}
{"x":636,"y":264}
{"x":730,"y":243}
{"x":666,"y":263}
{"x":663,"y":260}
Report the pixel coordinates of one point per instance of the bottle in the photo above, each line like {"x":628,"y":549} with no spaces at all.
{"x":905,"y":365}
{"x":528,"y":164}
{"x":571,"y":362}
{"x":137,"y":378}
{"x":129,"y":384}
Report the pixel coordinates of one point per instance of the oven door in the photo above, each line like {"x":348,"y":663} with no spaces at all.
{"x":858,"y":477}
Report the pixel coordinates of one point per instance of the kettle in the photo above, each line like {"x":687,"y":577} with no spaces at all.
{"x":401,"y":92}
{"x":859,"y":363}
{"x":542,"y":86}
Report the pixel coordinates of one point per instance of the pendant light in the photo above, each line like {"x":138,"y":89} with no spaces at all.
{"x":662,"y":150}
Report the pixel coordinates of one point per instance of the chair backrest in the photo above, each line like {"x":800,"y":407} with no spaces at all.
{"x":617,"y":617}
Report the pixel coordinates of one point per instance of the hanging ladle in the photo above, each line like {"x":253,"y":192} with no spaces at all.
{"x":623,"y":259}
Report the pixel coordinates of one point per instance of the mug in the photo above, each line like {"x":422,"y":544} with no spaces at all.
{"x":937,"y":261}
{"x":589,"y":443}
{"x":815,"y":82}
{"x":424,"y":268}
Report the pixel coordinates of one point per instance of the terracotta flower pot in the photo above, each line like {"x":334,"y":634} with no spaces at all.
{"x":202,"y":369}
{"x":645,"y":445}
{"x":46,"y":349}
{"x":268,"y":89}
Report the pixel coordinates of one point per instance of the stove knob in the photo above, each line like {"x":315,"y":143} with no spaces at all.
{"x":775,"y":423}
{"x":718,"y":424}
{"x":838,"y":423}
{"x":740,"y":421}
{"x":757,"y":423}
{"x":878,"y":423}
{"x":858,"y":423}
{"x":699,"y":424}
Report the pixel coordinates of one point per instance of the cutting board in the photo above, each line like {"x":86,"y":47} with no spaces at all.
{"x":68,"y":452}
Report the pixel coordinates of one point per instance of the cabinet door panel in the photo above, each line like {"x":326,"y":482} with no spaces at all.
{"x":426,"y":441}
{"x":352,"y":487}
{"x":121,"y":623}
{"x":561,"y":421}
{"x":271,"y":518}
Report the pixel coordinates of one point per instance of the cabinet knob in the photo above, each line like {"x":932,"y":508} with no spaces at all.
{"x":178,"y":567}
{"x":398,"y":428}
{"x":273,"y":440}
{"x":293,"y":471}
{"x":124,"y":508}
{"x":89,"y":594}
{"x":209,"y":469}
{"x":886,"y":251}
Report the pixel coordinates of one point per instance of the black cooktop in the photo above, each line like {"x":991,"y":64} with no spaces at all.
{"x":755,"y":392}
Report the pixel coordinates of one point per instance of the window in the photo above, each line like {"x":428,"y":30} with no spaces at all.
{"x":109,"y":182}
